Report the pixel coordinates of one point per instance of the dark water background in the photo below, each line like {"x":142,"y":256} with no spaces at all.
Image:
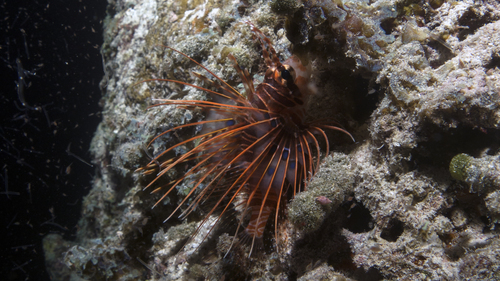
{"x":41,"y":184}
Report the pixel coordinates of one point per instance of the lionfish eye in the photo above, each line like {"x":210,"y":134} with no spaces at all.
{"x":285,"y":74}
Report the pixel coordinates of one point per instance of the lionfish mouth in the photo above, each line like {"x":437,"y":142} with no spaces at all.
{"x":254,"y":151}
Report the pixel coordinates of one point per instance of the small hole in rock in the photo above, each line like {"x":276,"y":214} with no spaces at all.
{"x":437,"y":53}
{"x":358,"y":217}
{"x":457,"y":248}
{"x":392,"y":232}
{"x":372,"y":274}
{"x":388,"y":25}
{"x":494,"y":62}
{"x":474,"y":20}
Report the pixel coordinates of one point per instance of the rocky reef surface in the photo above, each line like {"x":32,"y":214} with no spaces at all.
{"x":416,"y":197}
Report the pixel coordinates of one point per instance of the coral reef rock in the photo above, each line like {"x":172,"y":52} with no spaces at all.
{"x":416,"y":197}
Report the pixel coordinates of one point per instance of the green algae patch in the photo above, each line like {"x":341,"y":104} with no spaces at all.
{"x":284,"y":7}
{"x":459,"y":165}
{"x":330,"y":186}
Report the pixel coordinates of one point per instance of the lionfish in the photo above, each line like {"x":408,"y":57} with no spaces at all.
{"x":254,"y":151}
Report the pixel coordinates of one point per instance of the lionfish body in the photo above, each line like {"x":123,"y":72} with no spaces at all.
{"x":252,"y":150}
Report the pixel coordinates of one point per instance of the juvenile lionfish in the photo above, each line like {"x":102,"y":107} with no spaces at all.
{"x":252,"y":149}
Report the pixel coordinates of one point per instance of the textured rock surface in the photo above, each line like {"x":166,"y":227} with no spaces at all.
{"x":416,"y":82}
